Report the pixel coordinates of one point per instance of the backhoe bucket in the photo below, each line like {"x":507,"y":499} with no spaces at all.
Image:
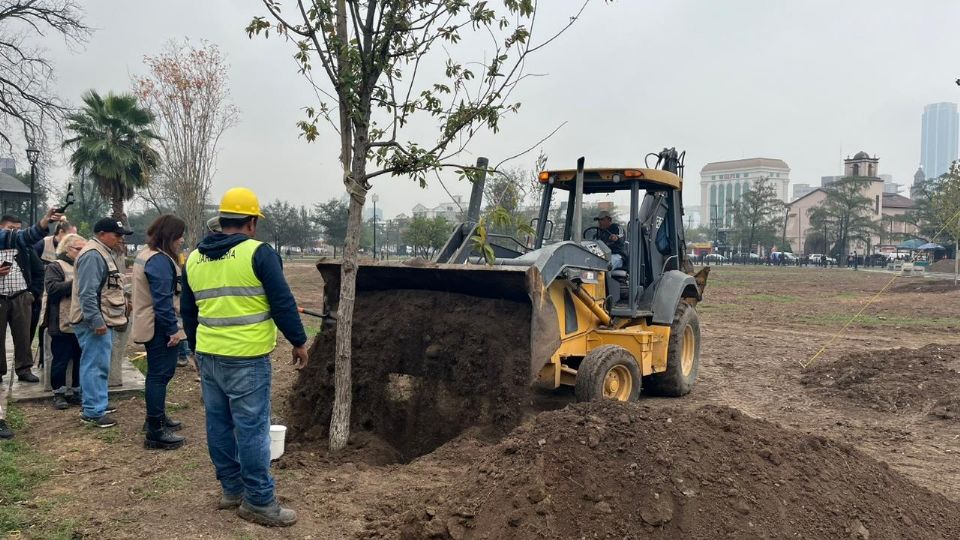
{"x":437,"y":348}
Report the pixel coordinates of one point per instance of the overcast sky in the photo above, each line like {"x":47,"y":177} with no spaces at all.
{"x":804,"y":81}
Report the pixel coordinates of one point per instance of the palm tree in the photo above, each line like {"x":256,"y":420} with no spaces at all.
{"x":113,"y":139}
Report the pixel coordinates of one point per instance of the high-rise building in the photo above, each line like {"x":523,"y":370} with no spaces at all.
{"x":827,"y":180}
{"x":723,"y":183}
{"x":939,"y":138}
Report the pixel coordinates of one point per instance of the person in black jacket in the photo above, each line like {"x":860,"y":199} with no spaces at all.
{"x":58,"y":285}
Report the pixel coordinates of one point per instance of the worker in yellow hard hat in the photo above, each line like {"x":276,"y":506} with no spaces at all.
{"x":234,"y":299}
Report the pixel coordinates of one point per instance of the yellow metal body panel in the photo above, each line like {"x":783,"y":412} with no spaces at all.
{"x":647,"y":343}
{"x":656,"y":176}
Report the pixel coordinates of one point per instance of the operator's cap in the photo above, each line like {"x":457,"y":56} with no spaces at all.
{"x":602,"y":214}
{"x":213,"y":225}
{"x":112,"y":226}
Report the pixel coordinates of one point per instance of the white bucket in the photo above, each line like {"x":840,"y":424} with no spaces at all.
{"x":278,"y":434}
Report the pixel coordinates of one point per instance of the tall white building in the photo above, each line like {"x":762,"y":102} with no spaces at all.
{"x":723,"y":183}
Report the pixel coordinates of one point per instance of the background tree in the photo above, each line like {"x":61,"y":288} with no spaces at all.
{"x":427,"y":235}
{"x":846,"y":214}
{"x":757,"y":216}
{"x":113,"y":142}
{"x":28,"y":106}
{"x":277,"y":228}
{"x":90,"y":204}
{"x":369,"y":53}
{"x":945,"y":203}
{"x":187,"y":90}
{"x":331,"y":218}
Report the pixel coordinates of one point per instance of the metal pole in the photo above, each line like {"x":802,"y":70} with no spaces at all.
{"x":33,"y":195}
{"x":374,"y":227}
{"x":577,"y":233}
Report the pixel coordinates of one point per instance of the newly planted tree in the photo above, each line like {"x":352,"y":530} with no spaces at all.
{"x":756,"y":215}
{"x":113,"y":143}
{"x":371,"y":59}
{"x":945,"y":203}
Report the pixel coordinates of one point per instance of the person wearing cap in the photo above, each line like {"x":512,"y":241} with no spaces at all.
{"x":99,"y":304}
{"x":234,"y":299}
{"x":612,"y":235}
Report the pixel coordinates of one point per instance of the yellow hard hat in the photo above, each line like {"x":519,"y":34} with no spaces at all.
{"x":239,"y":202}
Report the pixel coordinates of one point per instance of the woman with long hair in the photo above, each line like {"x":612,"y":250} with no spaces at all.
{"x":58,"y":289}
{"x":156,"y":311}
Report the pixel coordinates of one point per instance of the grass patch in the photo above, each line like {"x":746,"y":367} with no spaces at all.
{"x":772,"y":298}
{"x":21,"y":470}
{"x":162,"y":484}
{"x":837,"y":319}
{"x":109,"y":435}
{"x":140,"y":364}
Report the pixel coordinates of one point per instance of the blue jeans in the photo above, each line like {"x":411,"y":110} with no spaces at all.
{"x":94,"y":368}
{"x":236,"y":396}
{"x":161,"y":365}
{"x":616,"y":261}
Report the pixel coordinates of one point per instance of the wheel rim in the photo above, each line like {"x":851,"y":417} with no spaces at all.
{"x":687,"y":351}
{"x":617,"y":384}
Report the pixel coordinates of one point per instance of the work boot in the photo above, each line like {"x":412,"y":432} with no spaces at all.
{"x":169,"y":423}
{"x":229,"y":501}
{"x":158,"y":437}
{"x":60,"y":402}
{"x":76,"y":398}
{"x":5,"y":432}
{"x":27,"y":376}
{"x":271,"y":515}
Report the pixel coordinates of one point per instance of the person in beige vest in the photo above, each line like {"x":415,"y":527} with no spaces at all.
{"x":156,"y":311}
{"x":98,"y":305}
{"x":57,"y":290}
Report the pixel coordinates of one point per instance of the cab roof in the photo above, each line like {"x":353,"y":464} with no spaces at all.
{"x":611,"y":179}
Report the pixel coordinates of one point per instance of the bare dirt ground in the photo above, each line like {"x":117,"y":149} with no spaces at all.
{"x":759,"y":326}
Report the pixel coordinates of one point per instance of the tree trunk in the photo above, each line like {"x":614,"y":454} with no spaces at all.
{"x":343,"y":393}
{"x":116,"y":205}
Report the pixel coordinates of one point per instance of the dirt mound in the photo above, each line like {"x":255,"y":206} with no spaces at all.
{"x":896,"y":381}
{"x":943,"y":265}
{"x":426,"y":366}
{"x":924,"y":286}
{"x":619,"y":470}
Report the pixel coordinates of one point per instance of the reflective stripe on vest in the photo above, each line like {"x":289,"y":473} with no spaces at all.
{"x":234,"y":313}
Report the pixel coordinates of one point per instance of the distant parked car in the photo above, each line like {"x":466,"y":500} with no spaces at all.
{"x":715,"y":257}
{"x":818,"y":258}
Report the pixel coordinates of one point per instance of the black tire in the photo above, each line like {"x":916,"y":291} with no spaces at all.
{"x":597,"y":365}
{"x":675,"y":382}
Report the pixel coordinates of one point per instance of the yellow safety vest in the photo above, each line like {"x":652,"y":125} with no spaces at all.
{"x":234,"y":313}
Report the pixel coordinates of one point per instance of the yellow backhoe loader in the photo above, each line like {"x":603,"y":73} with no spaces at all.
{"x":609,"y":333}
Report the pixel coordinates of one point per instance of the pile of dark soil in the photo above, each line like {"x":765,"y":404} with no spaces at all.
{"x":943,"y":265}
{"x":621,"y":470}
{"x":925,"y":380}
{"x":426,"y":366}
{"x":918,"y":285}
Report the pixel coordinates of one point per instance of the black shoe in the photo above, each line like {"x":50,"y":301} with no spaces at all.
{"x":5,"y":432}
{"x":169,"y":423}
{"x":111,"y":408}
{"x":104,"y":421}
{"x":183,"y":361}
{"x":27,"y":377}
{"x":75,"y":399}
{"x":60,"y":402}
{"x":159,"y":438}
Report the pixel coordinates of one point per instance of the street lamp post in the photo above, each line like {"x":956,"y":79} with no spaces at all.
{"x":375,"y":198}
{"x":33,"y":155}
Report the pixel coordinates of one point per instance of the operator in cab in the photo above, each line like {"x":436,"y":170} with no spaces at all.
{"x":612,"y":235}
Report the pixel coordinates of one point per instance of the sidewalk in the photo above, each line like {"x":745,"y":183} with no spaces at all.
{"x":133,"y":382}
